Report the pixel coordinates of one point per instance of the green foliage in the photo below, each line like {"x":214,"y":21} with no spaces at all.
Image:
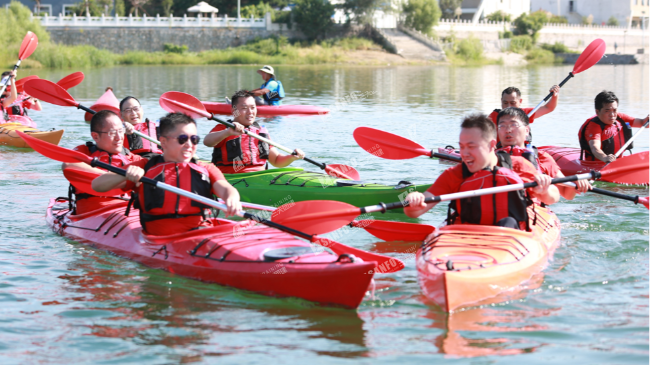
{"x":421,"y":15}
{"x":448,"y":8}
{"x":498,"y":16}
{"x":505,"y":34}
{"x":350,"y":44}
{"x":63,"y":57}
{"x":166,"y":6}
{"x":468,"y":51}
{"x":558,"y":47}
{"x":520,"y":44}
{"x":531,"y":24}
{"x":257,"y":11}
{"x":556,"y":19}
{"x":612,"y":21}
{"x":95,"y":7}
{"x":363,"y":10}
{"x":313,"y":17}
{"x":282,"y":17}
{"x":172,"y":48}
{"x":541,"y":56}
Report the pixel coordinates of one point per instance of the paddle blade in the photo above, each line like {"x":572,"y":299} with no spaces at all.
{"x":385,"y":264}
{"x":631,"y":169}
{"x":644,"y":201}
{"x":50,"y":92}
{"x":387,"y":145}
{"x":342,"y":171}
{"x":28,"y":46}
{"x":395,"y":231}
{"x":55,"y":152}
{"x":590,"y":56}
{"x":184,"y":103}
{"x":82,"y":180}
{"x":315,"y":217}
{"x":20,"y":84}
{"x":71,"y":80}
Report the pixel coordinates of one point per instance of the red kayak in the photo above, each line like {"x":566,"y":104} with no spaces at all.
{"x":237,"y":254}
{"x":267,"y":110}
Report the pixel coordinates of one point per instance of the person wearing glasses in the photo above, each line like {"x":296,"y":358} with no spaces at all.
{"x":162,"y":212}
{"x":133,"y":117}
{"x":512,"y":130}
{"x":107,"y":132}
{"x":237,"y":152}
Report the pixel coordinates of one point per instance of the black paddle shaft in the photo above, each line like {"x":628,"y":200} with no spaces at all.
{"x":560,"y":85}
{"x":97,"y":163}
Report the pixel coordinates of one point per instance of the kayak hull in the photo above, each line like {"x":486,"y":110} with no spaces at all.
{"x":468,"y":265}
{"x":568,"y":159}
{"x":230,"y":254}
{"x":276,"y":187}
{"x":267,"y":110}
{"x":8,"y":135}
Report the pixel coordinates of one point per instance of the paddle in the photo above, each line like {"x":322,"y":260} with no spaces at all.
{"x":21,"y":83}
{"x":330,"y":215}
{"x":385,"y":264}
{"x":622,"y":149}
{"x":26,"y":49}
{"x":71,"y":80}
{"x":50,"y":92}
{"x":589,"y":57}
{"x":188,"y":104}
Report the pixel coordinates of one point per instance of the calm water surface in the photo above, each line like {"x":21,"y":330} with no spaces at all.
{"x":65,"y":303}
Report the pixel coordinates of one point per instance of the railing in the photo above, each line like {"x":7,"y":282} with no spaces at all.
{"x":488,"y":24}
{"x":145,"y":21}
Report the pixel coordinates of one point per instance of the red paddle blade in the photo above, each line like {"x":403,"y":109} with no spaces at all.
{"x":20,"y":84}
{"x":71,"y":80}
{"x":50,"y":92}
{"x":82,"y":180}
{"x":387,"y":145}
{"x":395,"y":231}
{"x":55,"y":152}
{"x":315,"y":217}
{"x":385,"y":264}
{"x":644,"y":201}
{"x":342,"y":171}
{"x":631,"y":169}
{"x":590,"y":56}
{"x":184,"y":103}
{"x":28,"y":46}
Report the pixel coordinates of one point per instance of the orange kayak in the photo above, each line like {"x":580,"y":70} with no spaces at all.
{"x":471,"y":264}
{"x":8,"y":135}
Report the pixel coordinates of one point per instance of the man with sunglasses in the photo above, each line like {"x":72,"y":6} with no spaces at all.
{"x":236,"y":152}
{"x":162,"y":212}
{"x":107,"y":132}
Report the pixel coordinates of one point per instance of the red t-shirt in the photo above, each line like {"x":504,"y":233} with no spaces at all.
{"x":548,"y":165}
{"x":594,"y":132}
{"x":451,"y":179}
{"x":94,"y":203}
{"x":231,"y":169}
{"x":494,"y":114}
{"x":178,"y":225}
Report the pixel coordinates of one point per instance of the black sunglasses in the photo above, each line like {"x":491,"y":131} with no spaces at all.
{"x":182,"y":139}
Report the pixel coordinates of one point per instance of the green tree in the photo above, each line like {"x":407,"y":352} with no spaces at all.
{"x":448,"y":8}
{"x":498,"y":16}
{"x":530,"y":24}
{"x":421,"y":15}
{"x":612,"y":21}
{"x":362,"y":10}
{"x":314,"y":17}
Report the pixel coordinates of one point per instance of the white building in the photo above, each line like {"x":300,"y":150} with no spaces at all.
{"x":630,"y":13}
{"x":476,"y":10}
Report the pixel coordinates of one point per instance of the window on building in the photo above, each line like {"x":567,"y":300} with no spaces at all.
{"x":571,"y":7}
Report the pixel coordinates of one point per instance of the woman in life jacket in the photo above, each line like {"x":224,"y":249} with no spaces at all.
{"x":133,"y":117}
{"x":237,"y":152}
{"x":512,"y":130}
{"x":10,"y":93}
{"x":602,"y":136}
{"x":107,"y":133}
{"x":482,"y":168}
{"x":162,"y":212}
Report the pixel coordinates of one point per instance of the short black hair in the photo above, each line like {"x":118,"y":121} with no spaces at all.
{"x":171,"y":120}
{"x":97,"y":122}
{"x":126,"y":99}
{"x":604,"y":97}
{"x":6,"y":73}
{"x":482,"y":122}
{"x":514,"y":112}
{"x":510,"y":90}
{"x":240,"y":94}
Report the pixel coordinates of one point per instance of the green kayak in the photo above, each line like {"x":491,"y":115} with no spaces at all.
{"x":275,"y":187}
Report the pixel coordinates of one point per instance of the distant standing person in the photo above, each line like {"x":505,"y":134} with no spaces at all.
{"x":272,"y":91}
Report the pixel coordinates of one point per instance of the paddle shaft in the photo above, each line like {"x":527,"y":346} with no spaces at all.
{"x":134,"y":131}
{"x":622,"y":149}
{"x":550,"y":95}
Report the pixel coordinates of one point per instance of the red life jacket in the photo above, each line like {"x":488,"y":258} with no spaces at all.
{"x":242,"y":151}
{"x":608,"y":146}
{"x":531,"y":154}
{"x":141,"y":146}
{"x":489,"y":209}
{"x":157,"y":204}
{"x":17,"y":108}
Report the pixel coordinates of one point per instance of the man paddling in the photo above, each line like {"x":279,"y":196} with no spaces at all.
{"x":512,"y":131}
{"x":165,"y":213}
{"x":482,"y":167}
{"x":511,"y":97}
{"x":236,"y":152}
{"x":604,"y":134}
{"x":107,"y":132}
{"x":272,"y":91}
